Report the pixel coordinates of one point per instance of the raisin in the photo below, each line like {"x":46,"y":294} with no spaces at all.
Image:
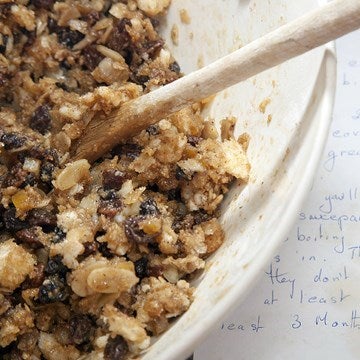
{"x":110,"y":207}
{"x":180,"y":174}
{"x":200,"y":216}
{"x":3,"y":45}
{"x":132,"y":151}
{"x":156,"y":270}
{"x":16,"y":176}
{"x":68,"y":37}
{"x":113,"y":179}
{"x":154,"y":22}
{"x":154,"y":248}
{"x":116,"y":348}
{"x":81,"y":328}
{"x":62,"y":86}
{"x":134,"y":233}
{"x":31,"y":37}
{"x":29,"y":180}
{"x":52,"y":156}
{"x":42,"y":154}
{"x":174,"y":67}
{"x":104,"y":250}
{"x":120,"y":39}
{"x":53,"y":289}
{"x":91,"y":57}
{"x":177,"y":225}
{"x":152,"y":130}
{"x":42,"y":217}
{"x":11,"y":352}
{"x":29,"y":237}
{"x":152,"y":48}
{"x":12,"y":223}
{"x":139,"y":79}
{"x":65,"y":65}
{"x":12,"y":140}
{"x":92,"y":17}
{"x":174,"y":194}
{"x":41,"y":119}
{"x":153,"y":187}
{"x":59,"y":236}
{"x":141,"y":267}
{"x":90,"y":248}
{"x":193,"y":140}
{"x":37,"y":278}
{"x":149,"y":207}
{"x":43,"y":4}
{"x":15,"y":297}
{"x":46,"y":172}
{"x":55,"y":266}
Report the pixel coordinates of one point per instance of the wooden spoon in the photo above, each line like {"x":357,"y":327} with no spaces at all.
{"x":316,"y":28}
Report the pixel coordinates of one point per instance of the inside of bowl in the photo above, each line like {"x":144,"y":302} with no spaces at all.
{"x":277,"y":109}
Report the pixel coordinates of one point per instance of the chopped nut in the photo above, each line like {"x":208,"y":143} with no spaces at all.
{"x":15,"y":265}
{"x":128,"y":327}
{"x":103,"y":276}
{"x":153,"y":7}
{"x":73,"y":173}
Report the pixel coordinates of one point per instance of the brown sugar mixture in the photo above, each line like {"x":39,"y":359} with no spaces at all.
{"x":96,"y":259}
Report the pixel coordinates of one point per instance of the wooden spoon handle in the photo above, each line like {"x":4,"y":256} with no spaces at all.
{"x":316,"y":28}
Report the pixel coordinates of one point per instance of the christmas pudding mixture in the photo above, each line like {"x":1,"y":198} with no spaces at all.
{"x":95,"y":259}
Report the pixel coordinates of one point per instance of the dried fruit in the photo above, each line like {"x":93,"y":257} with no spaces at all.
{"x":55,"y":266}
{"x":141,"y":267}
{"x":174,"y":67}
{"x":69,"y":37}
{"x":132,"y":151}
{"x":193,"y":140}
{"x":81,"y":329}
{"x":42,"y":217}
{"x":149,"y":207}
{"x":43,"y":4}
{"x":110,"y":206}
{"x":135,"y":233}
{"x":152,"y":130}
{"x":12,"y":140}
{"x":41,"y":118}
{"x":46,"y":172}
{"x":37,"y":278}
{"x":53,"y":289}
{"x":16,"y":176}
{"x":104,"y":250}
{"x":92,"y":17}
{"x":30,"y":237}
{"x":12,"y":223}
{"x":116,"y":348}
{"x":91,"y":57}
{"x":113,"y":179}
{"x":59,"y":236}
{"x":120,"y":38}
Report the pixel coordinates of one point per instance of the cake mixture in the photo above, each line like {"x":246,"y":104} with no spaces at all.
{"x":95,"y":259}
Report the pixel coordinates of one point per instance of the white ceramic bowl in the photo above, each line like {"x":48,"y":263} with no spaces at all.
{"x":286,"y":143}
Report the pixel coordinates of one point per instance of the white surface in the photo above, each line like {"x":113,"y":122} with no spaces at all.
{"x":310,"y":307}
{"x":284,"y":151}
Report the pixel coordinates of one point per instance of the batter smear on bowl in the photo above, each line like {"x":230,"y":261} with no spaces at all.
{"x":96,"y":259}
